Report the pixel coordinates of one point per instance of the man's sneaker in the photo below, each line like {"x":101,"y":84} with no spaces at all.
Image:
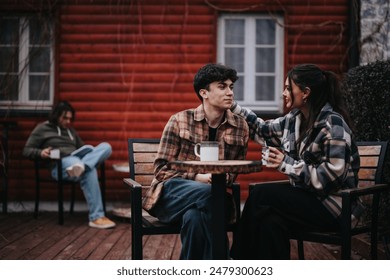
{"x":75,"y":170}
{"x":102,"y":223}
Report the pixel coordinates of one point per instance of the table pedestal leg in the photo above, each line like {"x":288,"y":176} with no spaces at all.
{"x":219,"y":237}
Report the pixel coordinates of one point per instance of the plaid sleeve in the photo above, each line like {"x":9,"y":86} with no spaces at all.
{"x":252,"y":120}
{"x":325,"y":165}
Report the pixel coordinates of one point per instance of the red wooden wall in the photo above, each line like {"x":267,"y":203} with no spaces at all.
{"x":126,"y":66}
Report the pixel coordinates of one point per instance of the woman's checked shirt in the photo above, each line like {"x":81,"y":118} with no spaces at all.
{"x":325,"y":162}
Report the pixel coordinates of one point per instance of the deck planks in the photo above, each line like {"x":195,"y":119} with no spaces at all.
{"x":25,"y":238}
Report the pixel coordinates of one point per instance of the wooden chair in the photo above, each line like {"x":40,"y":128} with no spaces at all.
{"x":42,"y":174}
{"x":142,"y":153}
{"x":372,"y":156}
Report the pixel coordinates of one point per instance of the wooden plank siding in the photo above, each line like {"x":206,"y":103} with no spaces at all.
{"x":127,"y":66}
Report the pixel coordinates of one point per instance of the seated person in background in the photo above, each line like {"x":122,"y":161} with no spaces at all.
{"x":79,"y":161}
{"x":314,"y":146}
{"x":177,"y":197}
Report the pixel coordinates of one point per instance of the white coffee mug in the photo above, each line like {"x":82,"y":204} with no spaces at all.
{"x":207,"y":150}
{"x":55,"y":153}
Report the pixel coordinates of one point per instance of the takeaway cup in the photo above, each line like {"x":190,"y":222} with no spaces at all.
{"x":264,"y":154}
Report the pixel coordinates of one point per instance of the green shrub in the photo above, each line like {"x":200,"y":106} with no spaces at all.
{"x":368,"y":100}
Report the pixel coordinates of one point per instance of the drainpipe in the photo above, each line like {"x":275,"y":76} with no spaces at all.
{"x":354,"y":33}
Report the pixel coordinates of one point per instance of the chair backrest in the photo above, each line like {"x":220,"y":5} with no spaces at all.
{"x":372,"y":159}
{"x":142,"y":153}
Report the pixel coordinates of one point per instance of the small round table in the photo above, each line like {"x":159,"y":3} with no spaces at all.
{"x":218,"y":169}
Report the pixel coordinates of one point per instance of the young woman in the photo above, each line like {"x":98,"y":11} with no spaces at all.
{"x":313,"y":145}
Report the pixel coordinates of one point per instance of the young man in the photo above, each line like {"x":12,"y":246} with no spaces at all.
{"x":177,"y":197}
{"x":79,"y":161}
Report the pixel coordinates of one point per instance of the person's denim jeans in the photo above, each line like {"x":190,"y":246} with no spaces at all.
{"x":189,"y":203}
{"x":89,"y":179}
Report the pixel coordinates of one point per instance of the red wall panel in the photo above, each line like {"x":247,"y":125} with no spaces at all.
{"x":126,"y":66}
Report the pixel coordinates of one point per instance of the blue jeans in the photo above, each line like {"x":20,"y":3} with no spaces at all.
{"x":189,"y":203}
{"x":89,"y":181}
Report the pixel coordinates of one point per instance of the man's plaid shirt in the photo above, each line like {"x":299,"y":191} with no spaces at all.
{"x":325,"y":162}
{"x":182,"y":132}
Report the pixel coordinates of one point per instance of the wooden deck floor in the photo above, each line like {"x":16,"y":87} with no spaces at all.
{"x":23,"y":237}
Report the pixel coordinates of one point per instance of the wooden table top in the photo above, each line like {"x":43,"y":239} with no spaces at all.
{"x":217,"y":167}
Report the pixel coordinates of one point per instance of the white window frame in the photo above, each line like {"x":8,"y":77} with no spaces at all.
{"x":23,"y":102}
{"x":275,"y":105}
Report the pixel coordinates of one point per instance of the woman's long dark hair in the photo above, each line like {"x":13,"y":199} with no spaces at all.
{"x":324,"y":87}
{"x":59,"y":109}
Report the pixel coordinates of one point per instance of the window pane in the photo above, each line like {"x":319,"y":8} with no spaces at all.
{"x":265,"y":88}
{"x":265,"y":60}
{"x":234,"y":57}
{"x":39,"y":59}
{"x":9,"y":87}
{"x":39,"y":88}
{"x":252,"y":43}
{"x":234,"y":31}
{"x":39,"y":32}
{"x":9,"y":34}
{"x":9,"y":58}
{"x":25,"y":60}
{"x":239,"y":89}
{"x":265,"y":32}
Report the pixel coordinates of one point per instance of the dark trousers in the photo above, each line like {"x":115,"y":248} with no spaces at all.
{"x":188,"y":202}
{"x":270,"y":213}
